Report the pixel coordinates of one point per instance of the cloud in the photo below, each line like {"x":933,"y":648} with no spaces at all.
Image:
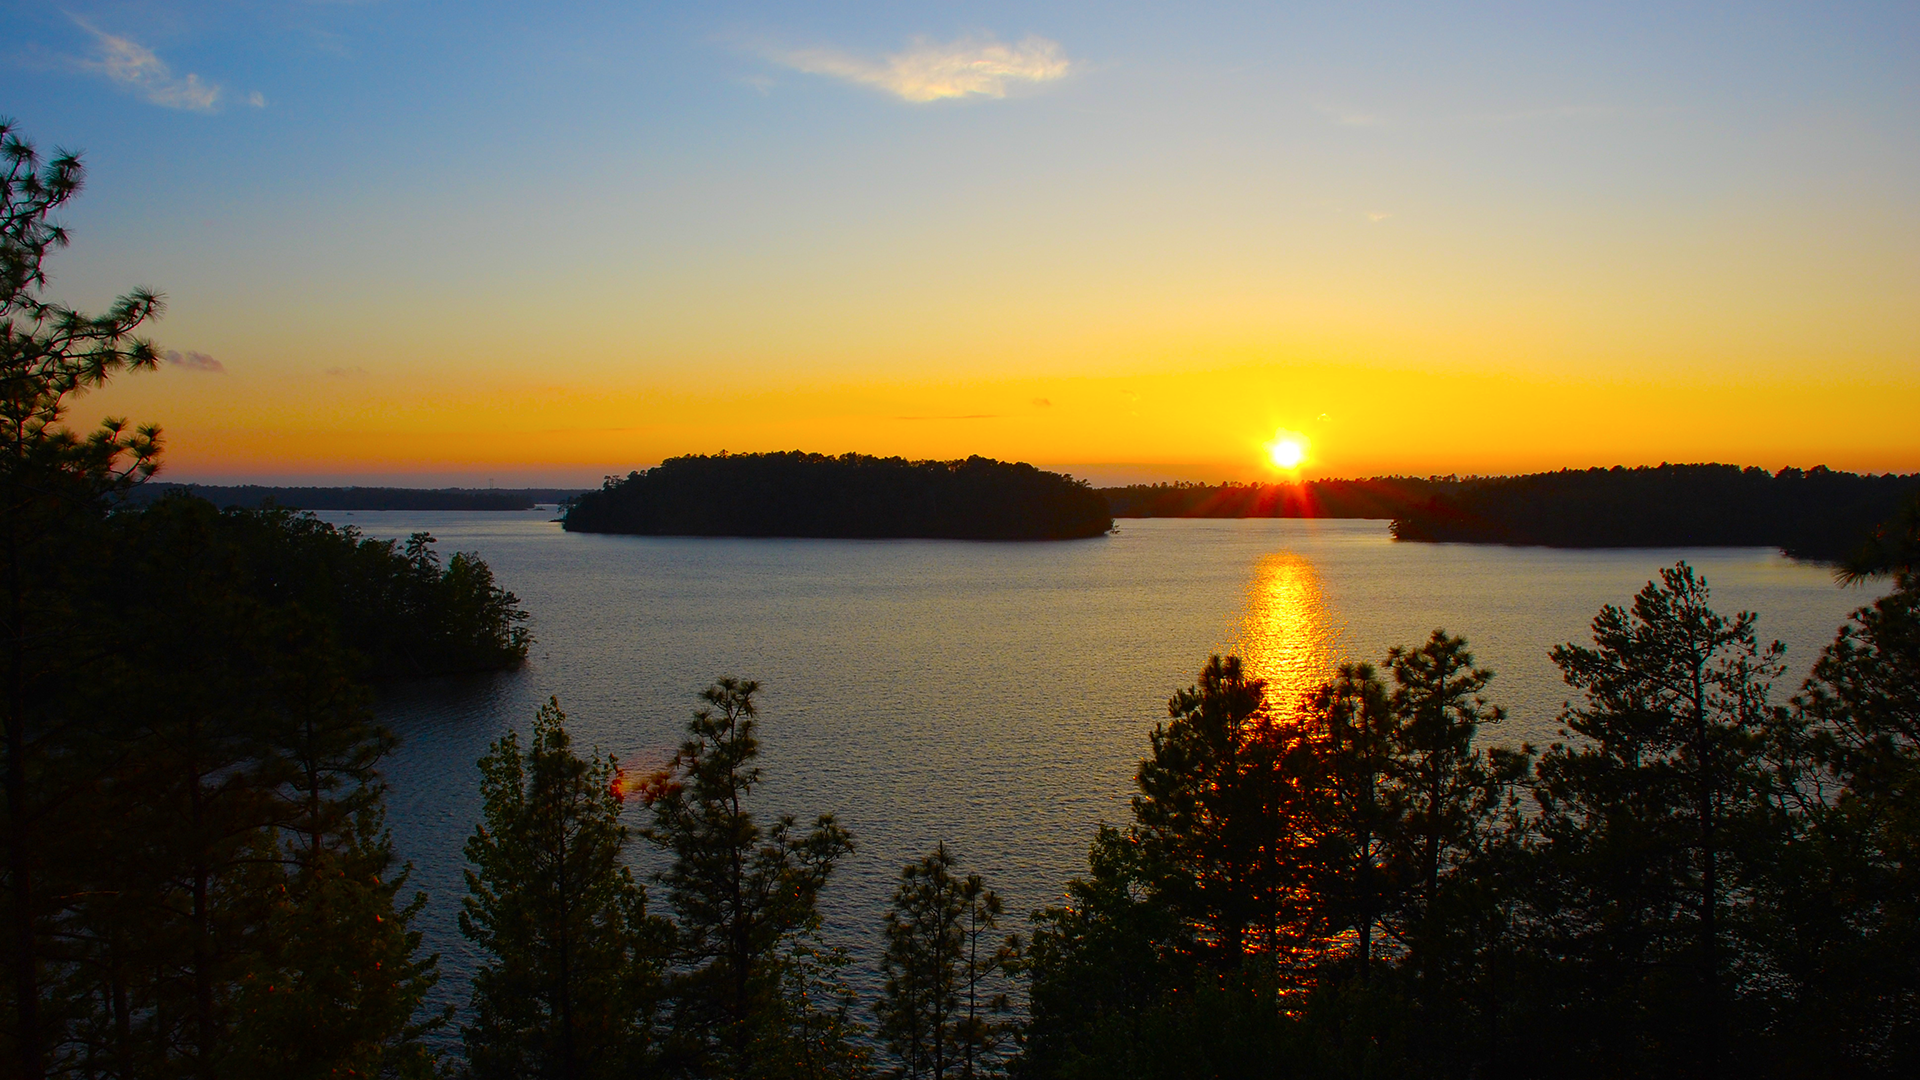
{"x":136,"y":67}
{"x":194,"y":361}
{"x":1378,"y":216}
{"x":929,"y":71}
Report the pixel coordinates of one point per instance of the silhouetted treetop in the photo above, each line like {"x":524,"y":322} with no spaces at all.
{"x":853,"y":495}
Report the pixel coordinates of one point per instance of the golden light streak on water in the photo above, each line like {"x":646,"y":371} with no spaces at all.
{"x":1289,"y":637}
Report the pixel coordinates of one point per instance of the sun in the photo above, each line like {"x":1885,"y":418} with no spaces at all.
{"x":1287,"y":451}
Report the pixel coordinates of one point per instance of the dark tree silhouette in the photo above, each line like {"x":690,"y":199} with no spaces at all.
{"x":932,"y":1013}
{"x":573,"y":960}
{"x":745,"y":904}
{"x":1658,"y":824}
{"x":853,"y":495}
{"x":54,"y":484}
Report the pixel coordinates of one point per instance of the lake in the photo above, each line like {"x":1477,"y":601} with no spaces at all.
{"x":996,"y":696}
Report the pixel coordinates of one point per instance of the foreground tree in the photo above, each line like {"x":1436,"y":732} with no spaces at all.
{"x":745,"y":903}
{"x":1848,"y":895}
{"x":1658,"y":827}
{"x":940,"y":1000}
{"x":54,"y":487}
{"x":1220,"y":817}
{"x":573,"y":960}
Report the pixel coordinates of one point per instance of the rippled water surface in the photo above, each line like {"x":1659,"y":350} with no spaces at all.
{"x":995,"y":696}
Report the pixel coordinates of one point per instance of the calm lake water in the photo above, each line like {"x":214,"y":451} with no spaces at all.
{"x":996,"y":696}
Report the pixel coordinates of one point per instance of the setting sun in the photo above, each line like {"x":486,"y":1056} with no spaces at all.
{"x":1287,"y":451}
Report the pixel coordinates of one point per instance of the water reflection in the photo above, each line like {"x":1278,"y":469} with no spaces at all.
{"x":1289,"y":637}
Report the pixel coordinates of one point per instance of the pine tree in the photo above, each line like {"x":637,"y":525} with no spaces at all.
{"x":1219,"y":810}
{"x":1358,"y":809}
{"x":571,"y":976}
{"x":54,"y":489}
{"x":741,"y":895}
{"x":1848,"y":893}
{"x":940,"y":997}
{"x":1658,"y":825}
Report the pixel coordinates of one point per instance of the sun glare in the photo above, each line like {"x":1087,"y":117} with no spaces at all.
{"x":1287,"y":452}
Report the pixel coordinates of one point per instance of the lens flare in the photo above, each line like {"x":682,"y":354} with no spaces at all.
{"x":1287,"y":451}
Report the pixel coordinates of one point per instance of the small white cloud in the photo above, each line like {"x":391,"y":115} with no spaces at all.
{"x":929,"y":71}
{"x":135,"y":66}
{"x":194,"y":361}
{"x":257,"y":99}
{"x":1378,"y":215}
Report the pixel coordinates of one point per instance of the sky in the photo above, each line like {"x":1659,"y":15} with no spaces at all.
{"x":467,"y":243}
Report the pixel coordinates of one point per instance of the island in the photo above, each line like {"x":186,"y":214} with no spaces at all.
{"x":851,"y":496}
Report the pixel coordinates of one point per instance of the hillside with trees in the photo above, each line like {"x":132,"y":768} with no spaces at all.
{"x":198,"y":880}
{"x":850,"y":496}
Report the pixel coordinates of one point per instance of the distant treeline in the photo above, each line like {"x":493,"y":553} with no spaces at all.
{"x":853,"y":495}
{"x":249,"y":496}
{"x":1813,"y":513}
{"x":1380,"y":497}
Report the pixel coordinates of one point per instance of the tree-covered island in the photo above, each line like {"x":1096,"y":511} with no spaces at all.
{"x":853,"y":496}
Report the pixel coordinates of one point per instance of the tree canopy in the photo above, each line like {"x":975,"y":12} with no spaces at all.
{"x":850,"y":496}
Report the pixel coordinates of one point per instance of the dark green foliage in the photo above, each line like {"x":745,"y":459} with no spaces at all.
{"x":1656,"y":829}
{"x":395,"y":605}
{"x":226,"y":882}
{"x":1892,"y":548}
{"x":1848,"y":898}
{"x":571,"y":979}
{"x":1814,"y":513}
{"x":197,"y":880}
{"x":53,"y":483}
{"x":752,"y":992}
{"x":939,"y":1012}
{"x":799,"y":494}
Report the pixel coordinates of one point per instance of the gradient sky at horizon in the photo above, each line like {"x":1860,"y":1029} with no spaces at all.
{"x":442,"y":243}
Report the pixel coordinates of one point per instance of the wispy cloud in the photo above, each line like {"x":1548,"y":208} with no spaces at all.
{"x":194,"y":361}
{"x":138,"y":68}
{"x":930,"y":70}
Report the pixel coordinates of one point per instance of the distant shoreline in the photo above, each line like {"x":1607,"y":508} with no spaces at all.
{"x":250,"y":496}
{"x":1816,"y":514}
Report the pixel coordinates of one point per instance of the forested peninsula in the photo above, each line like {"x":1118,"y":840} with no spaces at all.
{"x":1816,"y":513}
{"x":849,"y":496}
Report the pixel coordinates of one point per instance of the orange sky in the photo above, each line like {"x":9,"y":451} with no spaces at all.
{"x":1432,"y":240}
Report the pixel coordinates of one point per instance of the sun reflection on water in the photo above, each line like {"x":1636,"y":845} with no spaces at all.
{"x":1289,"y":637}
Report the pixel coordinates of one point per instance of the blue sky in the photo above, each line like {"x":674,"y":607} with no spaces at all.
{"x":386,"y":219}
